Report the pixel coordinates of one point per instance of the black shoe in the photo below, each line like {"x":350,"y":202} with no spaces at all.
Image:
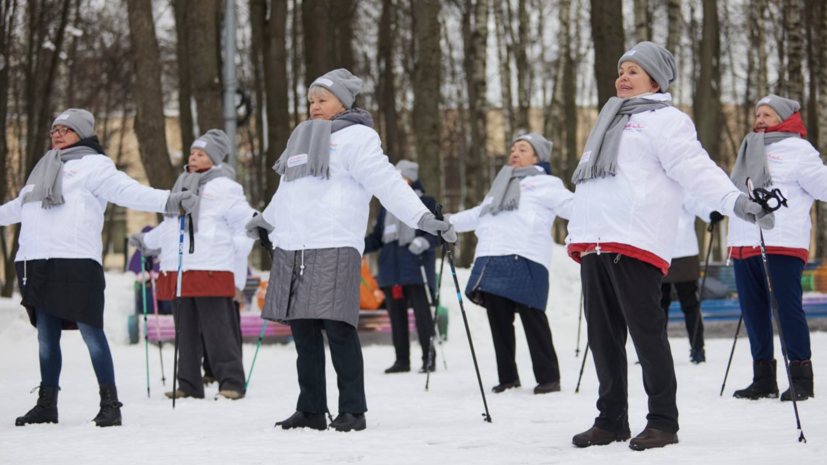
{"x":763,"y":382}
{"x":545,"y":388}
{"x":398,"y":368}
{"x":345,"y":422}
{"x":652,"y":438}
{"x":424,"y":368}
{"x":697,"y":356}
{"x":304,"y":420}
{"x":595,"y":436}
{"x":45,"y":411}
{"x":802,"y":374}
{"x":110,"y":412}
{"x":503,"y":386}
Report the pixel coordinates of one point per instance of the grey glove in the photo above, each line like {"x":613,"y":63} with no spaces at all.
{"x":419,"y":245}
{"x":137,"y":241}
{"x":178,"y":201}
{"x":254,"y":224}
{"x":753,"y":212}
{"x":430,"y":224}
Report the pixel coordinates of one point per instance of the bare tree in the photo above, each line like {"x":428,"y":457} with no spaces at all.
{"x":502,"y":24}
{"x":523,"y":69}
{"x":707,"y":103}
{"x":388,"y":114}
{"x":608,"y":37}
{"x":203,"y":63}
{"x":427,"y":120}
{"x":569,"y":94}
{"x":316,"y":29}
{"x":821,"y":226}
{"x":187,"y":126}
{"x":643,"y":20}
{"x":795,"y":50}
{"x":673,"y":35}
{"x":343,"y":14}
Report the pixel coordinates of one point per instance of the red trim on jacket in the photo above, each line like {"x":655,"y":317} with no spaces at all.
{"x":745,"y":252}
{"x":574,"y":251}
{"x":196,"y":283}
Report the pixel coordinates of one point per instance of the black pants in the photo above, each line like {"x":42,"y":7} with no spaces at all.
{"x":215,"y":320}
{"x":346,"y":352}
{"x":623,"y":293}
{"x":412,"y":296}
{"x":691,"y":307}
{"x":501,"y":313}
{"x":206,"y":365}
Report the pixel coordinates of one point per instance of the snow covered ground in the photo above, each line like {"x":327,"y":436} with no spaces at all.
{"x":405,"y":423}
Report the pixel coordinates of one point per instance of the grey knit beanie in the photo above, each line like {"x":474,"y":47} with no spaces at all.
{"x":408,"y":169}
{"x":215,"y":143}
{"x":344,"y":85}
{"x":542,"y":146}
{"x":655,"y":60}
{"x":784,"y":107}
{"x":78,"y":120}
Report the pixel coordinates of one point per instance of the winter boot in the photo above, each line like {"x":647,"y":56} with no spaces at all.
{"x":398,"y":367}
{"x":231,"y":394}
{"x":763,"y":382}
{"x":45,"y":411}
{"x":304,"y":420}
{"x":652,"y":438}
{"x":503,"y":386}
{"x":802,"y":374}
{"x":697,"y":356}
{"x":110,"y":412}
{"x":545,"y":388}
{"x":345,"y":422}
{"x":596,"y":436}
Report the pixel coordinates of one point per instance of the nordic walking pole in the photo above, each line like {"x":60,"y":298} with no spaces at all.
{"x":437,"y":334}
{"x":146,"y":331}
{"x":264,"y":240}
{"x":711,"y":229}
{"x":582,"y":368}
{"x":435,"y":328}
{"x":181,"y":219}
{"x":151,"y":268}
{"x":438,"y":215}
{"x":763,"y":196}
{"x":731,"y":353}
{"x":579,"y":325}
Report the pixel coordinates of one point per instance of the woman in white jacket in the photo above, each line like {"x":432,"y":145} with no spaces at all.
{"x":58,"y":261}
{"x":208,"y":284}
{"x":777,"y":155}
{"x":640,"y":156}
{"x":332,"y":166}
{"x":513,"y":255}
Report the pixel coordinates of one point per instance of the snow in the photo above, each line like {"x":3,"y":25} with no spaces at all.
{"x":405,"y":423}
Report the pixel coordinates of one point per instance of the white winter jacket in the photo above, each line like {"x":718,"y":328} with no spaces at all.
{"x":796,"y":169}
{"x":220,"y":237}
{"x":526,"y":231}
{"x":317,"y":213}
{"x":73,"y":230}
{"x":659,"y":156}
{"x":686,"y":244}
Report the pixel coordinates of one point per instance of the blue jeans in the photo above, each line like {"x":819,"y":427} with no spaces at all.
{"x":49,"y":329}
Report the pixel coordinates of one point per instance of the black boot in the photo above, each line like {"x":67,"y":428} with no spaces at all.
{"x":304,"y":420}
{"x":504,"y":386}
{"x":45,"y":411}
{"x":398,"y":367}
{"x":802,"y":374}
{"x":345,"y":422}
{"x":110,"y":412}
{"x":697,"y":356}
{"x":763,"y":382}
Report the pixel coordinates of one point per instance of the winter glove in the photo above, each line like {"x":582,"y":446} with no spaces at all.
{"x":430,"y":224}
{"x":419,"y":245}
{"x":178,"y":201}
{"x":254,"y":224}
{"x":137,"y":241}
{"x":715,"y":217}
{"x":753,"y":212}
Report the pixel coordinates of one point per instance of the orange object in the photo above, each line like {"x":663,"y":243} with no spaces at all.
{"x":261,"y":293}
{"x":370,"y":296}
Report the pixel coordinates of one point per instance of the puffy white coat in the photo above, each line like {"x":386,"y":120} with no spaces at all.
{"x":686,"y":245}
{"x":798,"y":171}
{"x":525,"y":231}
{"x":73,"y":230}
{"x":318,"y":213}
{"x":659,"y":156}
{"x":220,"y":238}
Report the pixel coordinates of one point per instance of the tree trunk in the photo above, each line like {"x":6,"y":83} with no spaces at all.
{"x":204,"y":65}
{"x":795,"y":50}
{"x":608,"y":38}
{"x":344,"y":14}
{"x":569,"y":87}
{"x":149,"y":121}
{"x":707,"y":105}
{"x":181,"y":9}
{"x":316,"y":30}
{"x":295,"y":60}
{"x":643,"y":21}
{"x":821,"y":226}
{"x":759,"y":9}
{"x":275,"y":85}
{"x":812,"y":15}
{"x":426,"y":89}
{"x":388,"y":115}
{"x":504,"y":58}
{"x":258,"y":11}
{"x":523,"y":69}
{"x":673,"y":35}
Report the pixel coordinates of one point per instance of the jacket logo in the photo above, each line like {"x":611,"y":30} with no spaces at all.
{"x":70,"y":173}
{"x":333,"y":147}
{"x":585,"y":157}
{"x":296,"y":160}
{"x":775,"y":159}
{"x":632,"y":127}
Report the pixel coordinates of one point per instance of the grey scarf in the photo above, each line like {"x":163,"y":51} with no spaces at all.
{"x":396,"y":230}
{"x":47,"y":176}
{"x":752,"y":159}
{"x":308,"y":149}
{"x":505,"y":192}
{"x":192,"y":182}
{"x":600,"y":154}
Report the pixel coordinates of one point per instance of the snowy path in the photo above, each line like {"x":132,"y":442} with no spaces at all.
{"x":405,"y":424}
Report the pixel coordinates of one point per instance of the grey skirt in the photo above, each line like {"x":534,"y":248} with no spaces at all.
{"x":314,"y":284}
